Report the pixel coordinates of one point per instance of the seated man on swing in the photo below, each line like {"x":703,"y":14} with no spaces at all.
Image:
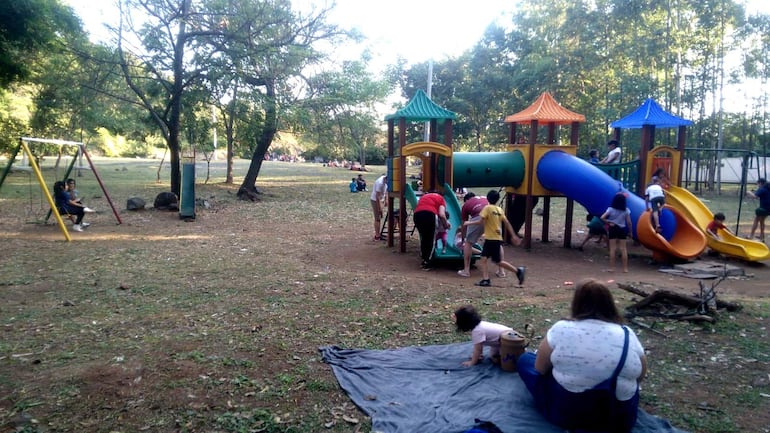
{"x":66,"y":205}
{"x":74,"y":195}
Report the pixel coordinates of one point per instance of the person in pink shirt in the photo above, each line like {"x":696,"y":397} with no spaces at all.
{"x":472,"y":207}
{"x":483,"y":333}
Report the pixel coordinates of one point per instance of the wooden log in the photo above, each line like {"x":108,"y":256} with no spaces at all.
{"x":729,"y":306}
{"x":698,"y":318}
{"x":668,"y":296}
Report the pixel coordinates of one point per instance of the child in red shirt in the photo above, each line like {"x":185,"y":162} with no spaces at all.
{"x":718,"y":223}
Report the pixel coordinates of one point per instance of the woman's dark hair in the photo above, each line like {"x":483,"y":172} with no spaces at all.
{"x":593,"y":300}
{"x":58,"y":187}
{"x":619,"y":201}
{"x":466,"y":318}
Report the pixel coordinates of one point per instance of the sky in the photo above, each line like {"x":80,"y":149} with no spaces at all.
{"x":416,"y":30}
{"x":449,"y":27}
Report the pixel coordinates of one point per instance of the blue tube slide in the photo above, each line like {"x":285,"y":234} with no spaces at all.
{"x":592,"y":188}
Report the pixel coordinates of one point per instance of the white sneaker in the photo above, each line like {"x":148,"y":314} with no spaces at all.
{"x":77,"y":228}
{"x":85,"y":225}
{"x":88,"y":210}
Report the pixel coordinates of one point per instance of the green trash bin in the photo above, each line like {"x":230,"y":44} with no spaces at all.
{"x":187,"y":199}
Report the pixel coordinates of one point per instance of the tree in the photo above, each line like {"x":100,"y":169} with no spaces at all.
{"x":270,"y":46}
{"x":172,"y":60}
{"x":29,"y":28}
{"x":338,"y":111}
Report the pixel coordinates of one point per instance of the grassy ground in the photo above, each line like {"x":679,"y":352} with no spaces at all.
{"x":162,"y":325}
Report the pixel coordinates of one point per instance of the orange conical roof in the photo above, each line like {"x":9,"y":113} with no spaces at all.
{"x":546,"y":110}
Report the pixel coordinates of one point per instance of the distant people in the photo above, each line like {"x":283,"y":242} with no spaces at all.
{"x":586,"y":373}
{"x":379,"y":199}
{"x":596,"y":229}
{"x":483,"y":333}
{"x":493,"y":218}
{"x":716,"y":224}
{"x":618,"y":218}
{"x":655,"y":199}
{"x":763,"y":194}
{"x":353,"y":185}
{"x":430,"y":211}
{"x":361,"y":183}
{"x":614,"y":155}
{"x":66,"y":205}
{"x":593,"y":156}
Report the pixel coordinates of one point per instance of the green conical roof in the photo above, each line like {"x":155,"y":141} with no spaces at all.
{"x":421,"y":109}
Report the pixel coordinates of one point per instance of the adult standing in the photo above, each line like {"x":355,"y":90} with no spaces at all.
{"x":430,"y":206}
{"x":614,"y":155}
{"x":472,"y":207}
{"x":587,"y":369}
{"x":763,"y":194}
{"x":379,"y":199}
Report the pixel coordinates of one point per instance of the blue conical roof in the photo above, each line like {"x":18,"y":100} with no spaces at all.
{"x":421,"y":109}
{"x":650,"y":114}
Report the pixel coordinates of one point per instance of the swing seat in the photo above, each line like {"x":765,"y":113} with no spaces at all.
{"x":62,"y":213}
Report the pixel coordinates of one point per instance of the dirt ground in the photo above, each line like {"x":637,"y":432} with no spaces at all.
{"x":353,"y":266}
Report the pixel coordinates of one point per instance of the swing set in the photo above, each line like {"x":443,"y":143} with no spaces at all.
{"x":24,"y":145}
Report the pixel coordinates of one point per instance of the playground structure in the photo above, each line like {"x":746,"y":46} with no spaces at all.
{"x":81,"y":151}
{"x":533,"y":170}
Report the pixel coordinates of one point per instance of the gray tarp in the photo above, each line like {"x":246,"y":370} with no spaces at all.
{"x":425,"y":389}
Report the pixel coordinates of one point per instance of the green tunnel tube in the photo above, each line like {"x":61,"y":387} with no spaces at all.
{"x":481,"y":169}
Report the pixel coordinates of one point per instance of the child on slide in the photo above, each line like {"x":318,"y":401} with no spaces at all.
{"x":655,"y":199}
{"x":441,"y":234}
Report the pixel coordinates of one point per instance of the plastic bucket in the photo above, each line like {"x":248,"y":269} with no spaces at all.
{"x":512,"y":346}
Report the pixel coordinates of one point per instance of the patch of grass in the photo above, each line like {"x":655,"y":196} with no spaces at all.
{"x":216,"y":323}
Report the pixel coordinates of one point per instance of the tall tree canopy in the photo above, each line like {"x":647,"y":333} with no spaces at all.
{"x":29,"y":28}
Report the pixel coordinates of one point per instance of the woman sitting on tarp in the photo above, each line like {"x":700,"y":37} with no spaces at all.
{"x":587,"y":370}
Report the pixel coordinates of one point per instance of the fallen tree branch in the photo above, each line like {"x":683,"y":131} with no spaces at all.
{"x":647,"y":327}
{"x":729,"y":306}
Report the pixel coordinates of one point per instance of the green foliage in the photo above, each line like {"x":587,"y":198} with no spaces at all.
{"x":30,"y":29}
{"x":114,"y":145}
{"x":602,"y":60}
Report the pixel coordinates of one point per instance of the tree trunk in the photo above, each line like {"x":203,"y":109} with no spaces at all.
{"x":174,"y":158}
{"x":229,"y":119}
{"x":229,"y":175}
{"x":248,"y":189}
{"x":175,"y":109}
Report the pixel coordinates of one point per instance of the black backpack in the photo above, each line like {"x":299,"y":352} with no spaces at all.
{"x":484,"y":427}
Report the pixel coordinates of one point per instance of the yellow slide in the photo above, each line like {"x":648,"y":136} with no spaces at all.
{"x":697,"y":212}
